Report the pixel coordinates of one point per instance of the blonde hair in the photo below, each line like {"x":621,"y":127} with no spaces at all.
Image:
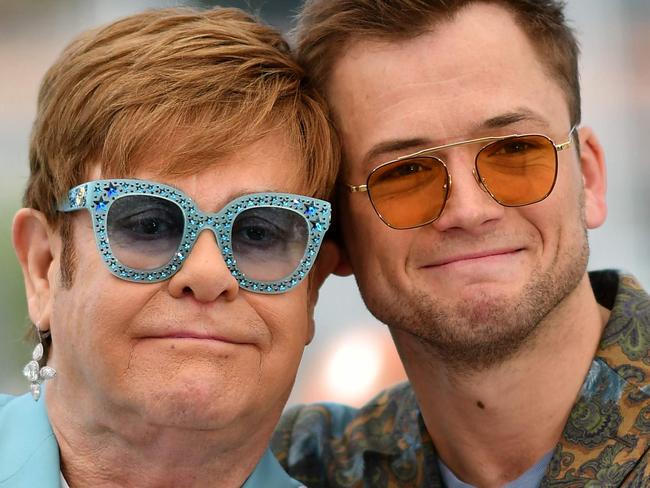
{"x":218,"y":77}
{"x":325,"y":29}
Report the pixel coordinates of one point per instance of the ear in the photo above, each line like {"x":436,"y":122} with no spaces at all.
{"x":343,"y":267}
{"x":31,"y":239}
{"x":326,"y":262}
{"x":594,"y":176}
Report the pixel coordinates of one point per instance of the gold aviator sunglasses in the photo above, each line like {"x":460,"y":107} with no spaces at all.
{"x":515,"y":170}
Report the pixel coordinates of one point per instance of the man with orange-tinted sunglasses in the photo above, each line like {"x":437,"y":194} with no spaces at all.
{"x":467,"y":191}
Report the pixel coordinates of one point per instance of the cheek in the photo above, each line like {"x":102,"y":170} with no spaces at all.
{"x":97,"y":303}
{"x":92,"y":320}
{"x":558,"y":220}
{"x":569,"y":188}
{"x":286,"y":318}
{"x":373,"y":248}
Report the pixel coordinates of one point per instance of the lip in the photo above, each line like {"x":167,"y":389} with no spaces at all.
{"x":475,"y":257}
{"x":197,"y":336}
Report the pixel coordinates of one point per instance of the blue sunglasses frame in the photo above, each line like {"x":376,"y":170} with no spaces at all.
{"x":97,"y":197}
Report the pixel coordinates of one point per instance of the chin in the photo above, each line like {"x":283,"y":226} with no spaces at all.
{"x":198,"y":405}
{"x":481,"y":295}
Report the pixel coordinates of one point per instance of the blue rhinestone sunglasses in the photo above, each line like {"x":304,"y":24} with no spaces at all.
{"x":145,"y":230}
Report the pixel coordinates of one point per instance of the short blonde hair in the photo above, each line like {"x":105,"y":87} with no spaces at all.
{"x":326,"y":28}
{"x":218,"y":77}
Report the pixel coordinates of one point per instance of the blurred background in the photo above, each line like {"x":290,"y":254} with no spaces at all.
{"x":352,"y":356}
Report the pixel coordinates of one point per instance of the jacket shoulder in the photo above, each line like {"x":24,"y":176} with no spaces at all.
{"x":312,"y":426}
{"x":5,"y":399}
{"x":315,"y":442}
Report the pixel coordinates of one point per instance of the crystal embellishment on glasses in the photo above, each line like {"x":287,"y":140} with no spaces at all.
{"x":269,"y":241}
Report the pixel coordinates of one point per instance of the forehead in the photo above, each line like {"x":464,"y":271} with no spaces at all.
{"x":271,"y":163}
{"x":443,"y":85}
{"x":185,"y":152}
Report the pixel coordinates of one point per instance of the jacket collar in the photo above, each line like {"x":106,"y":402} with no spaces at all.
{"x":607,"y":431}
{"x":269,"y":474}
{"x":29,"y":454}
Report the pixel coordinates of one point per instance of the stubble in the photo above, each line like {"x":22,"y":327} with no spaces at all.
{"x":477,"y":334}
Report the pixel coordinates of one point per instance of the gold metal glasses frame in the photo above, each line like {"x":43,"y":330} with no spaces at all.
{"x":429,"y":153}
{"x":426,"y":152}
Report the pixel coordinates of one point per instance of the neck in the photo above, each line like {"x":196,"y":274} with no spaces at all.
{"x":520,"y":405}
{"x":134,"y":453}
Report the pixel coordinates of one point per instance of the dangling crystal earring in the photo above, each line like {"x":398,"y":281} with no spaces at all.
{"x":33,"y":371}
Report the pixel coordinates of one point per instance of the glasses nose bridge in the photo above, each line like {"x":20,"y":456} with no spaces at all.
{"x":483,"y":142}
{"x":199,"y":222}
{"x":439,"y":152}
{"x":215,"y":223}
{"x":479,"y":180}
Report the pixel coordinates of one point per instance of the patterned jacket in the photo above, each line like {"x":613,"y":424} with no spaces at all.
{"x":605,"y":443}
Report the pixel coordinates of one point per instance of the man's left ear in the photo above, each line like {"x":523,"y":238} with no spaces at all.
{"x":326,"y":262}
{"x":594,"y":177}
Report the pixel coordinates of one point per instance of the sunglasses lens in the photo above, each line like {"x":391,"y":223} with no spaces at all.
{"x":409,"y":192}
{"x":144,"y":231}
{"x":268,"y":242}
{"x":518,"y":170}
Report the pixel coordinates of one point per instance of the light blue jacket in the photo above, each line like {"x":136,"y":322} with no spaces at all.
{"x":29,"y":454}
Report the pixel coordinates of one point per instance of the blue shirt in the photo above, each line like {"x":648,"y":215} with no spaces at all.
{"x":532,"y":477}
{"x":29,"y":453}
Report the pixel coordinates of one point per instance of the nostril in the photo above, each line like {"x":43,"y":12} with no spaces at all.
{"x":187,"y":291}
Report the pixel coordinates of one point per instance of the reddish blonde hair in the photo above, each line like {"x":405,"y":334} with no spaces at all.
{"x":218,"y":77}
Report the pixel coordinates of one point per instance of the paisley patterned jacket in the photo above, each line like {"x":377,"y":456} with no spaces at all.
{"x":605,"y":443}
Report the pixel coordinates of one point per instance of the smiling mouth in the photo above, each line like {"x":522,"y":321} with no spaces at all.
{"x":476,"y":257}
{"x":197,"y":337}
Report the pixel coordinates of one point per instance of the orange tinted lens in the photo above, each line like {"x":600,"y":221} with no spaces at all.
{"x":518,"y":170}
{"x":409,"y":192}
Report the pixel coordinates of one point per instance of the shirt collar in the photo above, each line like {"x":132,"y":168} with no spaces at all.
{"x":267,"y":474}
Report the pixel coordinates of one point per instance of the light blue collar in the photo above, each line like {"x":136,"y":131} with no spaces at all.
{"x":29,"y":454}
{"x":532,"y":477}
{"x":269,"y":474}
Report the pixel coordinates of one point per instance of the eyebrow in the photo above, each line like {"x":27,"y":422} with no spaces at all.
{"x":497,"y":122}
{"x":395,"y":145}
{"x":509,"y":118}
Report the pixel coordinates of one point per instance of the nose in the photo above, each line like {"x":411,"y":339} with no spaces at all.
{"x":469,"y":206}
{"x":204,"y":274}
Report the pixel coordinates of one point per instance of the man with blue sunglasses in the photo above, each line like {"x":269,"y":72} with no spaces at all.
{"x":174,"y":211}
{"x":468,"y":187}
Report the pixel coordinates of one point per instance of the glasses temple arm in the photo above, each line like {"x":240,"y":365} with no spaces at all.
{"x":356,"y":188}
{"x":564,"y":145}
{"x":77,"y":198}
